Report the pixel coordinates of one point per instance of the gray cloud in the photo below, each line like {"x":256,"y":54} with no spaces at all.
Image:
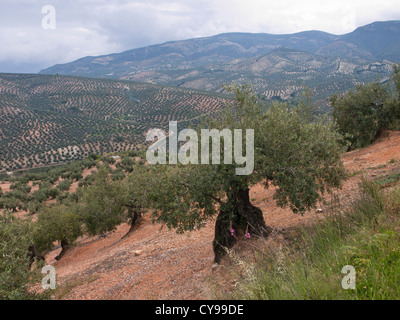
{"x":94,"y":27}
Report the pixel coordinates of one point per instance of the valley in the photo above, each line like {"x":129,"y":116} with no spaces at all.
{"x":50,"y":120}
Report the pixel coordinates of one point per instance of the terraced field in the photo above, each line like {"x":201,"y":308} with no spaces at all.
{"x":51,"y":119}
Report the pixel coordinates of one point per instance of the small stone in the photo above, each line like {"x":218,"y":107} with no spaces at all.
{"x":138,"y":253}
{"x":319,"y":210}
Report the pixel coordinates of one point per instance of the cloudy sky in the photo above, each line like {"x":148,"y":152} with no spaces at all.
{"x":95,"y":27}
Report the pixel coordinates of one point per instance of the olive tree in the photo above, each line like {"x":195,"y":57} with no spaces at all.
{"x":16,"y":276}
{"x":101,"y":206}
{"x":135,"y":195}
{"x":298,"y":157}
{"x":363,"y":114}
{"x":59,"y":223}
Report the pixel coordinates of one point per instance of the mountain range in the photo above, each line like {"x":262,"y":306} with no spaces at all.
{"x":277,"y":65}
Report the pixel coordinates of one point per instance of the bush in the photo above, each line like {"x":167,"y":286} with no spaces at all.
{"x":362,"y":114}
{"x":64,"y":185}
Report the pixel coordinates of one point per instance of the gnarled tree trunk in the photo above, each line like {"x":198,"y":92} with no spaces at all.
{"x":135,"y":221}
{"x":64,"y":247}
{"x":240,"y":215}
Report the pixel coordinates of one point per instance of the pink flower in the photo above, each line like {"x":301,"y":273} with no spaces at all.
{"x":247,"y":235}
{"x":232,"y":232}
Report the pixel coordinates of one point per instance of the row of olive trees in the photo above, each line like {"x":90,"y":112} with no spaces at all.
{"x":96,"y":209}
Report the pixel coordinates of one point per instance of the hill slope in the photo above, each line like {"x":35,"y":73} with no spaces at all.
{"x":188,"y":54}
{"x":280,"y":74}
{"x":155,"y":263}
{"x":380,"y":38}
{"x":52,"y":119}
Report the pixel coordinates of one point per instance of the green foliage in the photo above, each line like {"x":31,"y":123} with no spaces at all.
{"x":64,"y":185}
{"x":102,"y":208}
{"x":118,"y":174}
{"x":39,"y":196}
{"x":109,"y":160}
{"x":57,"y":223}
{"x":389,"y":179}
{"x":33,"y":206}
{"x":301,"y":158}
{"x":364,"y":113}
{"x":16,"y":278}
{"x":52,"y":193}
{"x":182,"y":197}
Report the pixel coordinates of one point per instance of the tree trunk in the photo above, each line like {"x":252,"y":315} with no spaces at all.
{"x":64,"y":247}
{"x":32,"y":254}
{"x":380,"y":132}
{"x":240,"y":215}
{"x":135,"y":220}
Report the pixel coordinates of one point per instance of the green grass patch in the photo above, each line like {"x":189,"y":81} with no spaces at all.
{"x":389,"y":179}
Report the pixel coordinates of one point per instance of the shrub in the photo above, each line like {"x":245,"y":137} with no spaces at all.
{"x":64,"y":185}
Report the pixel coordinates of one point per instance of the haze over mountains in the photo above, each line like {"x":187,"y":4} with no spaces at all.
{"x":277,"y":65}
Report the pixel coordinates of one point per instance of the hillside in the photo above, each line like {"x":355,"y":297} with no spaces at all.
{"x":381,"y":39}
{"x":206,"y":63}
{"x":155,"y":263}
{"x":280,"y":74}
{"x":190,"y":53}
{"x":46,"y":120}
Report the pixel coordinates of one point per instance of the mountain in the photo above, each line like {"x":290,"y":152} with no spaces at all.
{"x":189,"y":54}
{"x":374,"y":42}
{"x":280,"y":74}
{"x":46,"y":119}
{"x":381,"y":39}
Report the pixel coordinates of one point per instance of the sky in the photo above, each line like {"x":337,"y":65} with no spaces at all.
{"x":34,"y":37}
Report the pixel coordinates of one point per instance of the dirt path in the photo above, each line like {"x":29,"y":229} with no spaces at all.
{"x":160,"y":264}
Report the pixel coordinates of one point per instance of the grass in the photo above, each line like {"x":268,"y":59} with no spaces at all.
{"x":63,"y":290}
{"x":389,"y":179}
{"x":309,"y":267}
